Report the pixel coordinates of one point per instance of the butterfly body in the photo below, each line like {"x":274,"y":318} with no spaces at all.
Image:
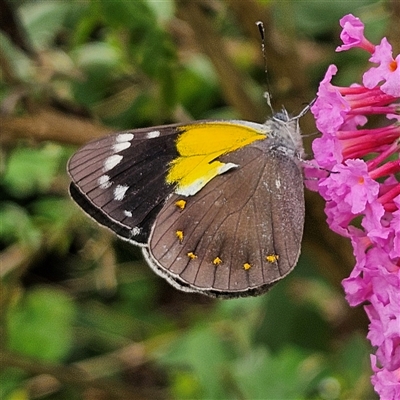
{"x":217,"y":206}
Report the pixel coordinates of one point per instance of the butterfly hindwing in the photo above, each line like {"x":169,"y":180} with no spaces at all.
{"x":240,"y":234}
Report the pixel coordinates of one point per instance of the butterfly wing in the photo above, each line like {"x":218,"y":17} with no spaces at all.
{"x":119,"y":180}
{"x":240,"y":234}
{"x":123,"y":180}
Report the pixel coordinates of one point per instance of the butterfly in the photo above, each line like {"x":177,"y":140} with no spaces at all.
{"x":216,"y":206}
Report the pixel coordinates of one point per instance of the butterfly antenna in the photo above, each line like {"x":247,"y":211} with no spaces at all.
{"x":305,"y":110}
{"x":267,"y":93}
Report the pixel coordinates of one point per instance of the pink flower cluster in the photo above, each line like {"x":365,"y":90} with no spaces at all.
{"x":362,"y":191}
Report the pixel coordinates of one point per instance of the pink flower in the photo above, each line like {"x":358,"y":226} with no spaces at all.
{"x":330,"y":108}
{"x":364,"y":183}
{"x":347,"y":191}
{"x":386,"y":383}
{"x":388,"y":70}
{"x":395,"y":230}
{"x":353,"y":34}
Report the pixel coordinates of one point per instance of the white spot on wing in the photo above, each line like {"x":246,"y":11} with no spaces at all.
{"x":135,"y":231}
{"x":226,"y":167}
{"x":112,"y":161}
{"x":121,"y":146}
{"x":278,"y":184}
{"x":124,"y":137}
{"x":104,"y":182}
{"x":153,"y":134}
{"x":119,"y":192}
{"x":128,"y":213}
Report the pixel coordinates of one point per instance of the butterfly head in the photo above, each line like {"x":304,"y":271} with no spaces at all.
{"x":285,"y":131}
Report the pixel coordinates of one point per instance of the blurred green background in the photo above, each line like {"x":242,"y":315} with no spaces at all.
{"x":82,"y":316}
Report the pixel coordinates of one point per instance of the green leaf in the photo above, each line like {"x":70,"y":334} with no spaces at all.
{"x":164,"y":10}
{"x":128,"y":14}
{"x":18,"y":61}
{"x":53,"y":216}
{"x":197,"y":87}
{"x":202,"y":356}
{"x":355,"y":351}
{"x":288,"y":320}
{"x":17,"y":225}
{"x":97,"y":55}
{"x":287,"y":375}
{"x":10,"y":379}
{"x":43,"y":20}
{"x":40,"y":324}
{"x":31,"y":170}
{"x":97,"y":61}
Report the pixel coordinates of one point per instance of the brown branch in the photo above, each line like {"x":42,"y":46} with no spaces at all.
{"x":11,"y":25}
{"x":284,"y":63}
{"x":49,"y":124}
{"x":235,"y":85}
{"x":74,"y":375}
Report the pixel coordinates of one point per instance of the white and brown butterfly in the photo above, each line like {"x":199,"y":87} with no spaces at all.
{"x":217,"y":206}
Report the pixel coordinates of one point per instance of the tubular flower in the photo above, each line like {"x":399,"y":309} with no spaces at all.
{"x":362,"y":191}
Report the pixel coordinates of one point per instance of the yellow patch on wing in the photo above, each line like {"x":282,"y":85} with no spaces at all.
{"x":217,"y":261}
{"x":246,"y":266}
{"x":199,"y":145}
{"x":181,"y":204}
{"x":271,"y":258}
{"x":179,"y":235}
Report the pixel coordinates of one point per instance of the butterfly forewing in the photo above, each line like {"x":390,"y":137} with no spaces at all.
{"x":240,"y":234}
{"x":119,"y":180}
